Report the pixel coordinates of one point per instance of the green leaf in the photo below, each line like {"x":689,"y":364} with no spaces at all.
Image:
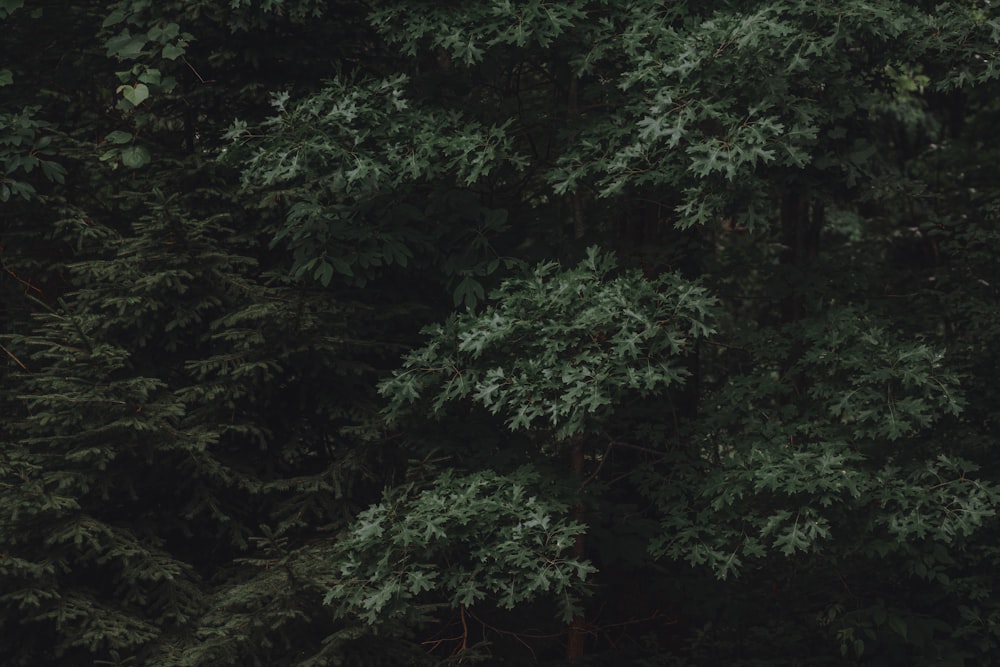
{"x":118,"y":137}
{"x":898,"y":626}
{"x":469,"y":291}
{"x":150,"y":76}
{"x":136,"y":94}
{"x":53,"y":171}
{"x":115,"y":17}
{"x":135,"y":157}
{"x":173,"y":52}
{"x":6,"y":77}
{"x":126,"y":45}
{"x":7,"y":7}
{"x":324,"y":273}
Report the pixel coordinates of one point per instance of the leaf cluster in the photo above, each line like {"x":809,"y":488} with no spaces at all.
{"x":560,"y":346}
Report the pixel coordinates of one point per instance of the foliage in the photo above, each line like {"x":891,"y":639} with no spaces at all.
{"x":374,"y":150}
{"x":432,"y":333}
{"x":468,"y":538}
{"x":563,"y":347}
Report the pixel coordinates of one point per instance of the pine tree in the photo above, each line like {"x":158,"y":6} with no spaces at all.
{"x":764,"y":437}
{"x":176,"y":397}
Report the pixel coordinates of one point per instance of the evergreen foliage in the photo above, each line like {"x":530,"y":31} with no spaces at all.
{"x":508,"y":332}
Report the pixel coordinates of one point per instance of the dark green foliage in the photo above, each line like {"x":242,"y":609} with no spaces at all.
{"x":469,"y":539}
{"x":708,"y":295}
{"x":560,"y":350}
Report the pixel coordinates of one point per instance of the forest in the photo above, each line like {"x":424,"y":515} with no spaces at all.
{"x":499,"y":332}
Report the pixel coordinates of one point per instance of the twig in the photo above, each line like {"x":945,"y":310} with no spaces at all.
{"x":618,"y":443}
{"x":11,"y":355}
{"x":191,"y":67}
{"x":604,"y":457}
{"x":465,"y":629}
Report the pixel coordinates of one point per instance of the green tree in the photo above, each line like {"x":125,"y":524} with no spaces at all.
{"x":165,"y":416}
{"x":713,"y":376}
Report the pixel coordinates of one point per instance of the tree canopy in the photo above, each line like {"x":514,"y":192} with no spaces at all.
{"x":385,"y":332}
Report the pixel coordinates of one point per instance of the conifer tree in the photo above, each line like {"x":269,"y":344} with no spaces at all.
{"x":223,"y":225}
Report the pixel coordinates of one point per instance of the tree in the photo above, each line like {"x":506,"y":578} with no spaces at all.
{"x":566,"y":349}
{"x":712,"y":380}
{"x":163,"y":385}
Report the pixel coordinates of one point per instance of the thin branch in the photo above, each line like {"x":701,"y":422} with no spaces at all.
{"x":465,"y":629}
{"x":639,"y":448}
{"x":604,"y":457}
{"x":516,"y":635}
{"x":16,"y":360}
{"x":191,"y":67}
